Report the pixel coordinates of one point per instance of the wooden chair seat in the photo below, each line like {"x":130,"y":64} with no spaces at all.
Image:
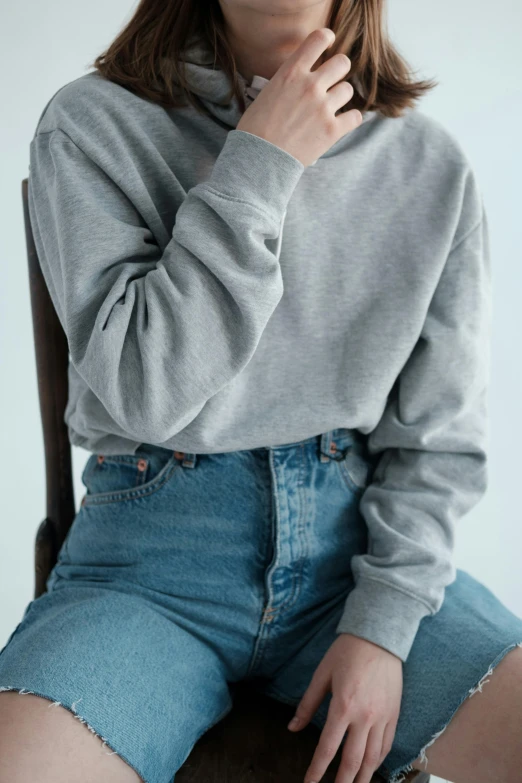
{"x":251,"y":744}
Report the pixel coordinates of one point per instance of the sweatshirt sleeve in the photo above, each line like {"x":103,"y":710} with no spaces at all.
{"x":156,"y":332}
{"x":431,"y":465}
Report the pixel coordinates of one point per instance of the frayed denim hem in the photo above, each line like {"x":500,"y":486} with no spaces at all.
{"x":401,"y":774}
{"x":72,"y":709}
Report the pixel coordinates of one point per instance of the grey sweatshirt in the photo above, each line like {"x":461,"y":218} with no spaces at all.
{"x":219,"y":295}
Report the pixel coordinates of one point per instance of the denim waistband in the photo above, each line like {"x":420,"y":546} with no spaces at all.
{"x":332,"y":444}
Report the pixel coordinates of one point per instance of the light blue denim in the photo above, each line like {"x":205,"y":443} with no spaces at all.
{"x":182,"y":573}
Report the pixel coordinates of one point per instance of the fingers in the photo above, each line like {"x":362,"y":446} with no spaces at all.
{"x":363,"y":750}
{"x":329,"y":741}
{"x":339,"y":95}
{"x":333,"y":70}
{"x":371,"y":758}
{"x":310,"y":701}
{"x":347,"y":121}
{"x":310,"y":50}
{"x":387,"y":740}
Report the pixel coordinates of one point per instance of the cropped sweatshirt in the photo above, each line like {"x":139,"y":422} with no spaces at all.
{"x":219,"y":295}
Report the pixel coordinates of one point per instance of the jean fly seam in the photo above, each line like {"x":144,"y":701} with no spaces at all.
{"x":263,"y":633}
{"x":296,"y":573}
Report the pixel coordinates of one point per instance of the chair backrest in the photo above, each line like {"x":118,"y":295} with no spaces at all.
{"x":52,"y":358}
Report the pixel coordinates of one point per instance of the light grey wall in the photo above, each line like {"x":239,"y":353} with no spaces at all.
{"x":473,"y":51}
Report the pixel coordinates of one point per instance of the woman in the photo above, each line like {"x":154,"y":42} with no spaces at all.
{"x":278,"y":314}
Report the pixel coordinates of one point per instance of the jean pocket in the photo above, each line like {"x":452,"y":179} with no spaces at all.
{"x":112,"y":478}
{"x":355,"y":469}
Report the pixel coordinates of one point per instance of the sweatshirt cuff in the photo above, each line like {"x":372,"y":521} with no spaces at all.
{"x":383,"y":615}
{"x":255,"y":170}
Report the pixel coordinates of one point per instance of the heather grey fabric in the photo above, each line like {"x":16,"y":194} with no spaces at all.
{"x":217,"y":295}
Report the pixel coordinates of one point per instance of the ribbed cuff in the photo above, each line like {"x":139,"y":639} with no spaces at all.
{"x":255,"y":170}
{"x":382,"y":615}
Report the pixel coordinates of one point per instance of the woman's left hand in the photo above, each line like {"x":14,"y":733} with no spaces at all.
{"x":365,"y":681}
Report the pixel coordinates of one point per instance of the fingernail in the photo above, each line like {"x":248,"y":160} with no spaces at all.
{"x":294,"y":723}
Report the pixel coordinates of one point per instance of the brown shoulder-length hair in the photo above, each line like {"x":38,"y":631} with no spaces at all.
{"x":143,"y":58}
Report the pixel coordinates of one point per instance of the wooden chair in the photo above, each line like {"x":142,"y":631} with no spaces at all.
{"x":251,"y":744}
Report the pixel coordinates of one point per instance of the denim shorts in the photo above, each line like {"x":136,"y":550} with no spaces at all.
{"x":182,"y":573}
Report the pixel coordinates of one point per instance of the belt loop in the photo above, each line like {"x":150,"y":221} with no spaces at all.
{"x":189,"y":460}
{"x":325,"y":446}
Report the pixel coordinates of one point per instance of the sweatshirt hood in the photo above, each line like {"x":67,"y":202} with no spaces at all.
{"x":212,"y":85}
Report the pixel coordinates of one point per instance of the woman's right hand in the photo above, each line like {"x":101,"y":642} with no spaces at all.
{"x":296,"y":109}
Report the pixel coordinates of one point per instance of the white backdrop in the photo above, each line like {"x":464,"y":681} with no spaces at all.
{"x":473,"y":52}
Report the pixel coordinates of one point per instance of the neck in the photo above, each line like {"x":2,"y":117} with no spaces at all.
{"x":262,"y":39}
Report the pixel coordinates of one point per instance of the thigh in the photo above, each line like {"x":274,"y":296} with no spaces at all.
{"x":142,"y":683}
{"x":453,"y":653}
{"x":192,"y":540}
{"x":50,"y":746}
